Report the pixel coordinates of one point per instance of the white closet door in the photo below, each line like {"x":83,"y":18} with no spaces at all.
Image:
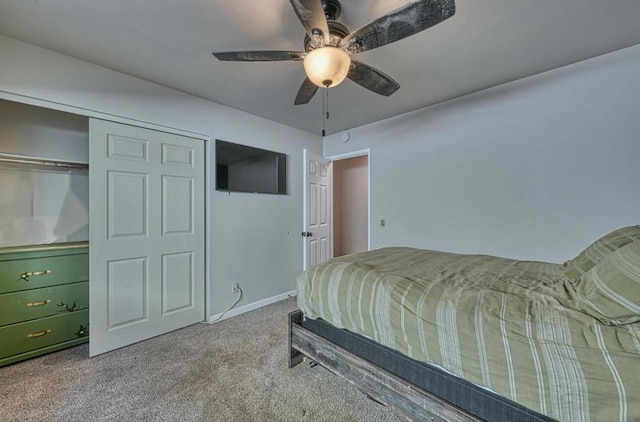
{"x":147,"y":231}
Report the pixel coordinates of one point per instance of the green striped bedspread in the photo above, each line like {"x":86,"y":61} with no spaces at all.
{"x":510,"y":326}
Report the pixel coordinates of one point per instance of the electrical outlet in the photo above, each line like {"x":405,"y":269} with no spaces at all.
{"x":235,"y":287}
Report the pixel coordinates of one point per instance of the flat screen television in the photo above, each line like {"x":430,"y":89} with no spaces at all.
{"x":241,"y":168}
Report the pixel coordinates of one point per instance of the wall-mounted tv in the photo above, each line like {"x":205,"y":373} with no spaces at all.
{"x":241,"y":168}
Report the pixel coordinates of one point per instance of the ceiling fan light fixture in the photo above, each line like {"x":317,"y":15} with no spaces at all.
{"x":328,"y":44}
{"x":327,"y":66}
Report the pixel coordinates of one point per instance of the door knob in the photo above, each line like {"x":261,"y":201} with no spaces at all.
{"x":307,"y":234}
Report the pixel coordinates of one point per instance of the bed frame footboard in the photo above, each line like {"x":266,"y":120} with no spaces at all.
{"x":379,"y":384}
{"x":295,"y":357}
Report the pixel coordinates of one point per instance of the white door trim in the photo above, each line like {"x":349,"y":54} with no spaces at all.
{"x":359,"y":153}
{"x":208,"y":233}
{"x":81,"y":111}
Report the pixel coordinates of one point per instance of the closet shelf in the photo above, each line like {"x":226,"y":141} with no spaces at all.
{"x":17,"y":159}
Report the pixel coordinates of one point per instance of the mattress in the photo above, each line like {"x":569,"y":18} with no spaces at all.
{"x":513,"y":327}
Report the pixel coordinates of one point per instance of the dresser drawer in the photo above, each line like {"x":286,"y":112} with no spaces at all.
{"x":38,"y":303}
{"x":37,"y":269}
{"x":32,"y":335}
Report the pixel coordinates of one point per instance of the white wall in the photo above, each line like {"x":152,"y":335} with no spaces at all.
{"x":40,"y":205}
{"x":350,"y":205}
{"x":255,"y":237}
{"x":40,"y":132}
{"x":534,"y":169}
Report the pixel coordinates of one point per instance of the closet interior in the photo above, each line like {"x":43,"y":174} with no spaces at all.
{"x":44,"y":231}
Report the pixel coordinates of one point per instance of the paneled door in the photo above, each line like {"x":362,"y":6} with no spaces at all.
{"x":146,"y":217}
{"x":317,"y":210}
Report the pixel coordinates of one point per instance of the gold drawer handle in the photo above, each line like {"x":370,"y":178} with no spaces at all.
{"x":42,"y":302}
{"x":26,"y":275}
{"x":38,"y":334}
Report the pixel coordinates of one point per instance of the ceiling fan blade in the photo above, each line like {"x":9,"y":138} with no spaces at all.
{"x":372,"y":79}
{"x":259,"y":56}
{"x":306,"y":92}
{"x":311,"y":15}
{"x":400,"y":23}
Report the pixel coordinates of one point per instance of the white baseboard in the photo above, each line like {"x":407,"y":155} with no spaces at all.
{"x":250,"y":307}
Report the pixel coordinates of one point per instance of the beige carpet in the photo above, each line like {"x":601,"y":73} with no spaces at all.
{"x":235,"y":370}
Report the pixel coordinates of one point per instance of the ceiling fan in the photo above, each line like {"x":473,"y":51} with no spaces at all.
{"x":328,"y":44}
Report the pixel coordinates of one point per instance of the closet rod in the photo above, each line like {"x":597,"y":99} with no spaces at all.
{"x":17,"y":159}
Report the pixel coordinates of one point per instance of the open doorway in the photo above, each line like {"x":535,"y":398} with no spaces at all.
{"x":350,"y":205}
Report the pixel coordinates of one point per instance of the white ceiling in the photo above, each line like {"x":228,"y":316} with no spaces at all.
{"x":169,"y":42}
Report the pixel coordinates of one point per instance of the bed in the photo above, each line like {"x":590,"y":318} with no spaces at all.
{"x":442,"y":336}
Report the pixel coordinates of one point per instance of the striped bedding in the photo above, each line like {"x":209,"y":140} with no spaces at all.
{"x":511,"y":326}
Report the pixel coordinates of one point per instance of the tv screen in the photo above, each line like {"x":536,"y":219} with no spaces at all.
{"x":241,"y":168}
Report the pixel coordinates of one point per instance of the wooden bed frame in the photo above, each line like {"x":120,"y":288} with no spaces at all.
{"x":382,"y":386}
{"x":416,"y":390}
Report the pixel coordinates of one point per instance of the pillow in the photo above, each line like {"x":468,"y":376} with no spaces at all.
{"x":610,"y":291}
{"x":599,"y":250}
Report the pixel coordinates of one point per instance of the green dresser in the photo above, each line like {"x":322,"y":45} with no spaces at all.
{"x":44,"y":299}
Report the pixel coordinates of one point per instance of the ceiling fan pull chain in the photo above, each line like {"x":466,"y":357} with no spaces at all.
{"x":324,"y":107}
{"x":327,"y":115}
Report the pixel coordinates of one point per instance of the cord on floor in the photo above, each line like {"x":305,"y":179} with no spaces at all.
{"x":229,"y":308}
